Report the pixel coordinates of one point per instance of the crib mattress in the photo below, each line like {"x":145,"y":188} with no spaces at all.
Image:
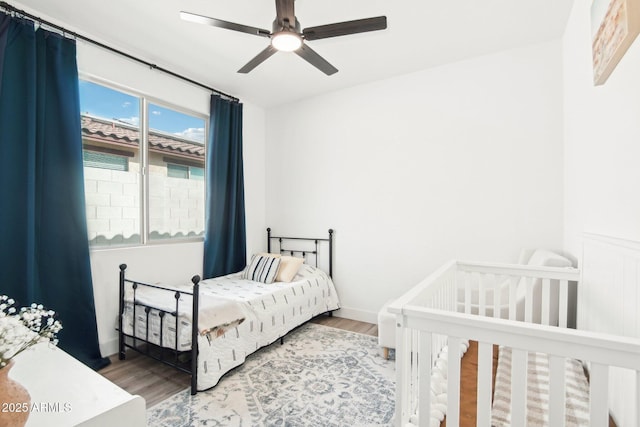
{"x":576,"y":391}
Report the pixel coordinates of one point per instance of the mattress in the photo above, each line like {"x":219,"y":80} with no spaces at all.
{"x":156,"y":321}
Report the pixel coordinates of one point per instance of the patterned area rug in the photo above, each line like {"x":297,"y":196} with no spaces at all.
{"x":320,"y":376}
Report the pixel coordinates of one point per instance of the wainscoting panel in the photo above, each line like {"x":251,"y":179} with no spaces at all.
{"x":609,"y":302}
{"x":609,"y":299}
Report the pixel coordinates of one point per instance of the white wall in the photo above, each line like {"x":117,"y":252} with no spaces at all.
{"x":167,"y":263}
{"x":602,"y":187}
{"x":462,"y":161}
{"x":602,"y":140}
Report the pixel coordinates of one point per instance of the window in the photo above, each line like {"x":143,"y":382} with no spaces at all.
{"x":185,"y":172}
{"x":177,"y":171}
{"x":94,"y":159}
{"x":124,"y":136}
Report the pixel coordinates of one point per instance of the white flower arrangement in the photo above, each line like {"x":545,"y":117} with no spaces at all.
{"x":21,"y":329}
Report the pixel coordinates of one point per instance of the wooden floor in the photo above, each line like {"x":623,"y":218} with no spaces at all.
{"x":155,"y":382}
{"x":468,"y":385}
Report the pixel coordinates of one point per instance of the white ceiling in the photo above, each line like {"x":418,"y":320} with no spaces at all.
{"x":420,"y":34}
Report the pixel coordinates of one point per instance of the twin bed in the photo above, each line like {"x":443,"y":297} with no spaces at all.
{"x":237,"y":314}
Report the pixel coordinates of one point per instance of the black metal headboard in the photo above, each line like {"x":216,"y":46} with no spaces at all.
{"x":304,"y":251}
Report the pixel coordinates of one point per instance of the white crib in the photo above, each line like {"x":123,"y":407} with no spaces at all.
{"x":455,"y":304}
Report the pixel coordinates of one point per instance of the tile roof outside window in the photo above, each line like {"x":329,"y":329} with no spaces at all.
{"x":125,"y":134}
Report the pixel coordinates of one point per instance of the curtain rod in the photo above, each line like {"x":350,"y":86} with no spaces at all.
{"x":11,"y":9}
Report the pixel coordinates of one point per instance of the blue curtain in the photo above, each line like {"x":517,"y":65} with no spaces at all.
{"x":225,"y":240}
{"x":44,"y":250}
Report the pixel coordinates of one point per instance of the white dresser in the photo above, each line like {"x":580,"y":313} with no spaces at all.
{"x":65,"y":392}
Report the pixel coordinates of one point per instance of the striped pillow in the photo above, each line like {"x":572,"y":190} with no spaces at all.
{"x":262,"y":268}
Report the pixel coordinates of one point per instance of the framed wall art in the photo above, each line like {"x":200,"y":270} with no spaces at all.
{"x":614,"y":26}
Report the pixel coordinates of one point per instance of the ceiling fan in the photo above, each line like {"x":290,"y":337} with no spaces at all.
{"x":287,"y":37}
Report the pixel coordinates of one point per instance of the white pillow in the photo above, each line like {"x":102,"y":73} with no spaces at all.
{"x":262,"y":268}
{"x":289,"y":267}
{"x":546,"y":258}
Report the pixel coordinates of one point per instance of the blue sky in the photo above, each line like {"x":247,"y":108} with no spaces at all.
{"x":110,"y":104}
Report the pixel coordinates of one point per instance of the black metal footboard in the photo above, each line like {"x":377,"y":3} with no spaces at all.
{"x":183,"y":360}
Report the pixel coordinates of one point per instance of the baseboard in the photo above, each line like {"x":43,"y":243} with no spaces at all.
{"x":356,"y":314}
{"x":109,"y":348}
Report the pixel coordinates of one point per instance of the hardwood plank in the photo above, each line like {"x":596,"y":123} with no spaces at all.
{"x":347,"y":324}
{"x":155,"y":381}
{"x":468,"y":384}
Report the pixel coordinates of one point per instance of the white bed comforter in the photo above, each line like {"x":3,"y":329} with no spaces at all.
{"x":255,"y":315}
{"x":270,"y":312}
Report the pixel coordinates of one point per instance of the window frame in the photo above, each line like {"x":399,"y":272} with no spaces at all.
{"x":144,"y":100}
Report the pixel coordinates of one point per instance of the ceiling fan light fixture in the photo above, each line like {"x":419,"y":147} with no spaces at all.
{"x":286,"y":41}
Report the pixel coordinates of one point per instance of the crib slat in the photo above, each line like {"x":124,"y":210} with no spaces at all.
{"x":403,"y":371}
{"x":513,"y":288}
{"x":637,"y":405}
{"x":467,"y":293}
{"x":415,"y":369}
{"x":519,"y":387}
{"x":496,"y":297}
{"x":482,"y":297}
{"x":485,"y":366}
{"x":453,"y":382}
{"x":451,"y":295}
{"x":424,"y":388}
{"x":528,"y":303}
{"x":598,"y":395}
{"x":546,"y":300}
{"x":563,"y":303}
{"x":556,"y":390}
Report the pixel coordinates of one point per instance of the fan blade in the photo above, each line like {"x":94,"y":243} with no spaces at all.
{"x":285,"y":11}
{"x":192,"y":17}
{"x":258,"y":59}
{"x":310,"y":55}
{"x":345,"y":28}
